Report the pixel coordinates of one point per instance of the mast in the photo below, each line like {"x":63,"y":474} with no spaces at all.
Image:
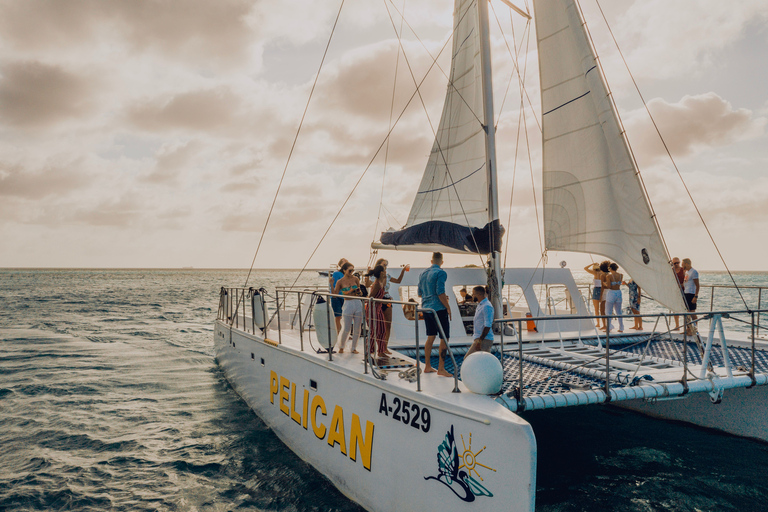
{"x":494,"y":276}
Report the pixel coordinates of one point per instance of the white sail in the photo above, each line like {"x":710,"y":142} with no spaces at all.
{"x":454,"y":186}
{"x":451,"y":208}
{"x":593,"y":198}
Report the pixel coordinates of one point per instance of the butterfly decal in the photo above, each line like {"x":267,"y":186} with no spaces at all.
{"x":457,"y":476}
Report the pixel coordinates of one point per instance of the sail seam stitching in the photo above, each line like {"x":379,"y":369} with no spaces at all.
{"x":566,"y":103}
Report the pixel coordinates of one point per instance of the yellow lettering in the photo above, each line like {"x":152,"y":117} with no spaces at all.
{"x":336,"y":431}
{"x":356,"y":440}
{"x":284,"y":385}
{"x":306,"y":408}
{"x":272,"y":386}
{"x":318,"y":428}
{"x":294,"y":415}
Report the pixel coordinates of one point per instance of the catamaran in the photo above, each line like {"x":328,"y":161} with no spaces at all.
{"x":392,"y":438}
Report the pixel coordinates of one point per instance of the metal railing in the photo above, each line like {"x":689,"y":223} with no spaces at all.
{"x":705,"y":349}
{"x":232,"y":310}
{"x":713,"y":287}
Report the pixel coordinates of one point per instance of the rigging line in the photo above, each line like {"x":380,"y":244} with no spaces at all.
{"x":450,"y":83}
{"x":539,"y":227}
{"x":298,"y":131}
{"x":520,"y":79}
{"x":437,"y":142}
{"x":519,"y":129}
{"x":514,"y":173}
{"x":391,"y":111}
{"x":370,"y":163}
{"x":620,"y":123}
{"x":517,"y":54}
{"x":674,"y":164}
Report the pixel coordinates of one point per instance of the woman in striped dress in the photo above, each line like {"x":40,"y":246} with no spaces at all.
{"x":376,"y":320}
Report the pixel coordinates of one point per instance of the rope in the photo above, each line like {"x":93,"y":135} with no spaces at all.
{"x":669,"y":154}
{"x":386,"y":151}
{"x":296,"y":137}
{"x":519,"y":119}
{"x":402,"y":17}
{"x":370,"y":163}
{"x":431,"y":126}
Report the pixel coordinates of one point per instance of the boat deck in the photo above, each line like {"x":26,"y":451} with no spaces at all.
{"x":646,"y":365}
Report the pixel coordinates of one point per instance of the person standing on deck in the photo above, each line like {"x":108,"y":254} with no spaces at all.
{"x":432,"y":292}
{"x":483,"y":323}
{"x":680,"y":275}
{"x":612,"y":290}
{"x":691,"y":291}
{"x":386,"y":307}
{"x":337,"y":303}
{"x":597,"y":290}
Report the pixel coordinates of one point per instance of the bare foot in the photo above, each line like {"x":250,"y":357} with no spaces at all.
{"x":429,"y":369}
{"x":444,"y":373}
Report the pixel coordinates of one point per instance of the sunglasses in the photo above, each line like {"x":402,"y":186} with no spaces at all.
{"x":675,"y":262}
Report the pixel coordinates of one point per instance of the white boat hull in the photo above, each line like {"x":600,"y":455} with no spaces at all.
{"x":348,"y":426}
{"x":742,"y":411}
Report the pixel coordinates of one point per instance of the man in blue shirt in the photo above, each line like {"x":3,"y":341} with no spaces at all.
{"x":483,"y":335}
{"x":433,"y":296}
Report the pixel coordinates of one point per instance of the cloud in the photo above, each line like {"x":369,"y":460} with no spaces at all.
{"x":34,"y":94}
{"x":695,"y":123}
{"x":124,"y":211}
{"x":193,"y":30}
{"x":671,"y":39}
{"x":171,"y":160}
{"x":50,"y":180}
{"x":194,"y":110}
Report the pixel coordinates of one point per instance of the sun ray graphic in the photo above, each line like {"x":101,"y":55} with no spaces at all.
{"x":469,"y":458}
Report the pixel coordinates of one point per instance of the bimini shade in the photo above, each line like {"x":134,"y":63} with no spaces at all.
{"x":454,"y":236}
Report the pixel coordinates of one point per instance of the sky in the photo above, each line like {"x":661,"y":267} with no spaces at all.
{"x":153,"y":133}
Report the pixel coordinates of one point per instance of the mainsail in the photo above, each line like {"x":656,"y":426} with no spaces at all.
{"x":593,"y":198}
{"x":450,"y":210}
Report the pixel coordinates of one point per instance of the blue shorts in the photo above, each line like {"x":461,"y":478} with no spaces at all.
{"x":596,"y":293}
{"x":431,"y":325}
{"x":336,"y":304}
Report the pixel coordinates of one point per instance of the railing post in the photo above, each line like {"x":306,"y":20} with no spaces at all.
{"x":685,"y":353}
{"x":366,"y":341}
{"x":301,"y":325}
{"x":418,"y":361}
{"x":752,"y":370}
{"x":759,"y":301}
{"x":520,"y":401}
{"x":501,"y":347}
{"x":328,"y":316}
{"x":608,"y":359}
{"x":279,"y":327}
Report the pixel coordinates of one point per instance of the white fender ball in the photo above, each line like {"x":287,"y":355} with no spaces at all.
{"x":482,"y":373}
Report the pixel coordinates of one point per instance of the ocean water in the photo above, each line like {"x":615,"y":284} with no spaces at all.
{"x":110,"y":399}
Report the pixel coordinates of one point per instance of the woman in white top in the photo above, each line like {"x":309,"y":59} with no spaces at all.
{"x":597,"y":290}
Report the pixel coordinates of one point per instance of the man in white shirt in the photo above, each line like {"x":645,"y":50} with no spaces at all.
{"x":483,"y":324}
{"x":691,"y":290}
